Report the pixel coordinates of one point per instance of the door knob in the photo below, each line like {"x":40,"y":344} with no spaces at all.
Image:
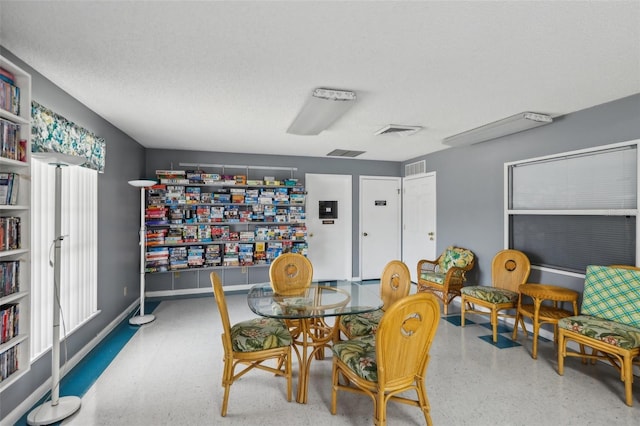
{"x":364,"y":234}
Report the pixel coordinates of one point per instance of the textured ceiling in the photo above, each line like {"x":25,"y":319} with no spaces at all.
{"x":231,"y":76}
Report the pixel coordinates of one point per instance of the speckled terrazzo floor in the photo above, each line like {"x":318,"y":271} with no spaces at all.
{"x":169,"y":374}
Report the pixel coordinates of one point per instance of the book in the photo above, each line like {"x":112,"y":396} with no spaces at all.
{"x":7,"y":76}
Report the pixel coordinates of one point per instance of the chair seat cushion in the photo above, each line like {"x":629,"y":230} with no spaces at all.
{"x":359,"y":355}
{"x":258,"y":334}
{"x":434,"y":277}
{"x":491,"y":294}
{"x":364,"y":324}
{"x":611,"y":332}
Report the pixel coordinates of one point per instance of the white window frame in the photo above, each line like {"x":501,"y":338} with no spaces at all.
{"x":599,"y":212}
{"x":79,"y":278}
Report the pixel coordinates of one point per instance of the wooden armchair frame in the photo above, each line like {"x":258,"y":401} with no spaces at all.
{"x":453,"y":280}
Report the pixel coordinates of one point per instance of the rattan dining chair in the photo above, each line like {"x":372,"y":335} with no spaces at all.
{"x":509,"y":269}
{"x":249,"y":344}
{"x":395,"y":284}
{"x":392,"y":361}
{"x":291,"y":274}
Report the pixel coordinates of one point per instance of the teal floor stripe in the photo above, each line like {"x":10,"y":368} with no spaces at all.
{"x":78,"y":381}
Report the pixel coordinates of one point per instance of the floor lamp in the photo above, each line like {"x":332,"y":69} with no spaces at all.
{"x":142,"y":318}
{"x":56,"y":409}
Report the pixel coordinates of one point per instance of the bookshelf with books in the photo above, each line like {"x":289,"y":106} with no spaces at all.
{"x":197,"y":220}
{"x":15,"y":201}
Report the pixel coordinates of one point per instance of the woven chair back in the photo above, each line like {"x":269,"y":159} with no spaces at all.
{"x":509,"y":269}
{"x":395,"y":283}
{"x":290,"y":274}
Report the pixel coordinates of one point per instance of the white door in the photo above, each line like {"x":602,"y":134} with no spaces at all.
{"x":329,"y":238}
{"x":419,"y":220}
{"x":380,"y":214}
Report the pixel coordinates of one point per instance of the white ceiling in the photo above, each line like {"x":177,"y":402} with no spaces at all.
{"x":231,"y":75}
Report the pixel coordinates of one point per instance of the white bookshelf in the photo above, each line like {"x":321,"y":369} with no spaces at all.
{"x":21,"y":341}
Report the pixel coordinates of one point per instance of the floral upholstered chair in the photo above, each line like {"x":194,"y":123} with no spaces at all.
{"x":445,"y":276}
{"x":394,"y":360}
{"x":249,"y":344}
{"x":395,"y":284}
{"x":509,"y":269}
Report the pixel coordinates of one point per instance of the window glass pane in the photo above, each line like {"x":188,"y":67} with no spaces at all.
{"x":596,"y":180}
{"x":571,"y":243}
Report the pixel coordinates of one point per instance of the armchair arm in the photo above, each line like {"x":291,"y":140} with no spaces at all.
{"x":428,"y":266}
{"x":456,"y":277}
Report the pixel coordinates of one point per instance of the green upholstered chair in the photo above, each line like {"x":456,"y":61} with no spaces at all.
{"x":393,"y":361}
{"x":445,"y":276}
{"x":609,"y":321}
{"x":509,"y":269}
{"x":395,"y":284}
{"x":249,"y":344}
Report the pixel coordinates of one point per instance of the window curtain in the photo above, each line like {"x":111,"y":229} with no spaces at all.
{"x":78,"y":268}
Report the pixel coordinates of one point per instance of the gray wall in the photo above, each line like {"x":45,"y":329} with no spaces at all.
{"x":470,"y":180}
{"x":165,"y":159}
{"x":118,"y":220}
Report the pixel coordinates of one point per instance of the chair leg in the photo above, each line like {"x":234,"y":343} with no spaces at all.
{"x":562,"y":351}
{"x":380,"y":416}
{"x":494,"y":324}
{"x":627,"y":367}
{"x":514,"y":335}
{"x":423,"y":401}
{"x":289,"y":369}
{"x":334,"y":388}
{"x":462,"y":311}
{"x":227,"y":379}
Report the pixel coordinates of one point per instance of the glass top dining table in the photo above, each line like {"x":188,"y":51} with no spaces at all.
{"x":305,"y":311}
{"x":321,"y":299}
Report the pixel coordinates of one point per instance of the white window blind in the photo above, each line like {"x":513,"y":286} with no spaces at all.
{"x":575,"y":209}
{"x":78,"y":287}
{"x":596,"y":180}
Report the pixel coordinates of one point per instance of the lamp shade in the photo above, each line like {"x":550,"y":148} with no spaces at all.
{"x":142,"y":183}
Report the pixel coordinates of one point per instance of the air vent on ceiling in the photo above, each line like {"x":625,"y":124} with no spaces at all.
{"x":344,"y":153}
{"x":399,"y":130}
{"x":415,"y":168}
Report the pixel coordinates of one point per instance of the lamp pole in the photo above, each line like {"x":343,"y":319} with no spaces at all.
{"x":141,"y":318}
{"x":57,"y":408}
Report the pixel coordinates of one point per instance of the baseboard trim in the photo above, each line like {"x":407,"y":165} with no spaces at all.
{"x":17,"y":413}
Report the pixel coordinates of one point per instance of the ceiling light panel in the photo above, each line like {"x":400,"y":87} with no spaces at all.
{"x":321,"y":110}
{"x":507,"y":126}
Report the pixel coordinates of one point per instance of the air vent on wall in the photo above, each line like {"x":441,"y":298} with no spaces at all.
{"x":344,"y":153}
{"x":399,"y":130}
{"x":415,"y":168}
